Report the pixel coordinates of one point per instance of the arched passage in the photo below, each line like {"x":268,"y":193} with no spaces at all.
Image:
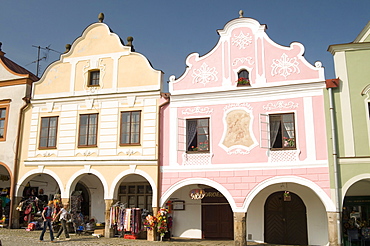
{"x":208,"y":218}
{"x":87,"y":198}
{"x":356,"y":205}
{"x":315,"y":200}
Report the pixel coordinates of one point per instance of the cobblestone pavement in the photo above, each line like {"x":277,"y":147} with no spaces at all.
{"x":21,"y":237}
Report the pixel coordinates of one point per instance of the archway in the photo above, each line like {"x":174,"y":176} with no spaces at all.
{"x":135,"y":191}
{"x":87,"y":198}
{"x":35,"y":190}
{"x":5,"y":184}
{"x":208,"y":218}
{"x":356,"y":206}
{"x":285,"y":219}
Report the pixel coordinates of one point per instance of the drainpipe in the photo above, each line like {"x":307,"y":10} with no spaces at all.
{"x":330,"y":84}
{"x":166,"y":96}
{"x":16,"y":160}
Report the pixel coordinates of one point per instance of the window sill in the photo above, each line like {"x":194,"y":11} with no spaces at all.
{"x":46,"y":148}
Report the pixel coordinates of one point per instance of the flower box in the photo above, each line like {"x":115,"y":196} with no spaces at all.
{"x":243,"y":82}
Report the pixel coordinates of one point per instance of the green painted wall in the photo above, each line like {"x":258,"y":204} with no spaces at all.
{"x":358,"y":65}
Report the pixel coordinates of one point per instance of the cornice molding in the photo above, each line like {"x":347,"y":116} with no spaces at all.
{"x":348,"y":47}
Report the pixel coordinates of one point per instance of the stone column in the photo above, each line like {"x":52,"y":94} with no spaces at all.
{"x":152,"y":234}
{"x":65,"y":201}
{"x":240,"y":229}
{"x":109,"y":232}
{"x":333,"y":228}
{"x":15,"y":213}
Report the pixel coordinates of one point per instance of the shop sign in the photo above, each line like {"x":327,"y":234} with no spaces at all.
{"x":197,"y":194}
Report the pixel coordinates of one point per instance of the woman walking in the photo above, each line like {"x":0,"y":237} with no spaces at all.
{"x":63,"y":220}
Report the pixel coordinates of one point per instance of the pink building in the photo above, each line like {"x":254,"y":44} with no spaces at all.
{"x":244,"y":151}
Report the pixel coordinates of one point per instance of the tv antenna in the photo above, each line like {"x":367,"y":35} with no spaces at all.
{"x":44,"y":56}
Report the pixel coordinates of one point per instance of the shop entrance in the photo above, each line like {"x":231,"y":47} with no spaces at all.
{"x":356,"y":211}
{"x":285,"y":219}
{"x":217,"y":216}
{"x":4,"y":196}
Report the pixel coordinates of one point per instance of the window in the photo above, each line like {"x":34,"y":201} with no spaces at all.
{"x":282,"y":132}
{"x":88,"y":130}
{"x":130,"y":128}
{"x":3,"y":122}
{"x":94,"y":77}
{"x":136,"y":195}
{"x":197,"y":135}
{"x":48,"y":132}
{"x":243,"y":77}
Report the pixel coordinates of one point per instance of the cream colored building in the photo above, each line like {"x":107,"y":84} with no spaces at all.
{"x":15,"y":88}
{"x":92,"y":126}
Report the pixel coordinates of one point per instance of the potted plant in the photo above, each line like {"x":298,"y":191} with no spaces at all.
{"x":243,"y":81}
{"x":287,"y":196}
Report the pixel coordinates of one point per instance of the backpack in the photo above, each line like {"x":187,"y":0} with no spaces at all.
{"x":48,"y":212}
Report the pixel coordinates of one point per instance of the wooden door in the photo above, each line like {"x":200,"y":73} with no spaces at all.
{"x":217,"y":218}
{"x":285,"y":221}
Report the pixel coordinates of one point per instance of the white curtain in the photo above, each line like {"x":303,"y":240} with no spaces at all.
{"x":191,"y":131}
{"x":274,"y":130}
{"x":289,"y":129}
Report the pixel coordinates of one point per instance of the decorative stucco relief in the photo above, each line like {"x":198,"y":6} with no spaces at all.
{"x":197,"y":110}
{"x":95,"y":65}
{"x":284,"y":156}
{"x":238,"y":137}
{"x":241,"y":40}
{"x":204,"y":74}
{"x":280,"y":105}
{"x":196,"y":159}
{"x":284,"y":66}
{"x":242,"y":60}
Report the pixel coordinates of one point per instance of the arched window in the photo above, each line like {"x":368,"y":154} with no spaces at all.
{"x":243,"y":77}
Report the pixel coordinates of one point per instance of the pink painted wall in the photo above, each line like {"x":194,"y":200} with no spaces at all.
{"x":240,"y":183}
{"x":244,"y":45}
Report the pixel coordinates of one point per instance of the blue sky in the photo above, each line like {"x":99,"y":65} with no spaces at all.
{"x":166,"y":31}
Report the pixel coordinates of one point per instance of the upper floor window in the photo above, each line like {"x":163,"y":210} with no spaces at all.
{"x":130,"y":128}
{"x":87,"y":136}
{"x":48,"y":132}
{"x":94,"y":77}
{"x":282,"y":131}
{"x":3,"y":121}
{"x":243,"y":77}
{"x":197,"y":135}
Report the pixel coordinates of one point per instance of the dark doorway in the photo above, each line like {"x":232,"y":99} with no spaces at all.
{"x":285,"y":221}
{"x":217,"y":216}
{"x":85,"y":203}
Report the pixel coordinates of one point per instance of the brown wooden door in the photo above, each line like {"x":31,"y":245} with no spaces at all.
{"x":217,"y":218}
{"x":285,"y":221}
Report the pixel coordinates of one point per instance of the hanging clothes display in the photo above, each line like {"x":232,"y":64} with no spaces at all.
{"x":127,"y":220}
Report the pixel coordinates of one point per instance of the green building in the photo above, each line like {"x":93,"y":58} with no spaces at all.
{"x":348,"y":124}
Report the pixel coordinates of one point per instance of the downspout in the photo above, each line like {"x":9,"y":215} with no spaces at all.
{"x":16,"y":159}
{"x":330,"y":84}
{"x":166,"y":96}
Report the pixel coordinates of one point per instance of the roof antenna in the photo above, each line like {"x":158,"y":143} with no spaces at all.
{"x":44,"y":57}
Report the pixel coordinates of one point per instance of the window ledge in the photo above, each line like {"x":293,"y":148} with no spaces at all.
{"x":197,"y":159}
{"x":284,"y":155}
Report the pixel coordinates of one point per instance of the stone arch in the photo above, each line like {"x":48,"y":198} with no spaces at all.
{"x":325,"y":199}
{"x":29,"y":175}
{"x":73,"y":180}
{"x":203,"y":181}
{"x":117,"y":180}
{"x":352,"y":181}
